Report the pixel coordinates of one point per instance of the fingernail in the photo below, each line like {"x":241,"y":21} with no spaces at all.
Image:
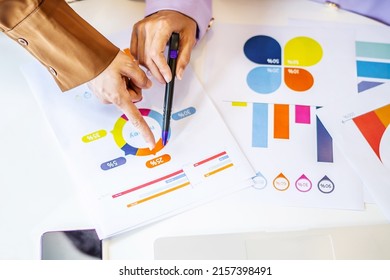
{"x":151,"y":146}
{"x":179,"y":73}
{"x":167,"y":79}
{"x":148,"y":83}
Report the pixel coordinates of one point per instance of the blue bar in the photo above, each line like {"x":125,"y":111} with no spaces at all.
{"x":175,"y":178}
{"x":369,"y":69}
{"x":373,"y":50}
{"x":260,"y":125}
{"x":324,"y":143}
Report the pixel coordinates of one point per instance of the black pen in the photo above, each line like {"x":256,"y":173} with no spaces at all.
{"x":172,"y":60}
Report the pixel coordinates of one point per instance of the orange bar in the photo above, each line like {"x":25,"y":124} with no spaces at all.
{"x":158,"y":194}
{"x":281,"y":121}
{"x":218,"y":170}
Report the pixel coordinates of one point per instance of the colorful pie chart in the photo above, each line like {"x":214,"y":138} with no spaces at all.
{"x":120,"y":131}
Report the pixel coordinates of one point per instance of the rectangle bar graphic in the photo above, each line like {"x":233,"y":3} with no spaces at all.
{"x":324,"y":143}
{"x":209,"y":159}
{"x":302,"y":114}
{"x":369,"y":69}
{"x":218,"y":170}
{"x":239,"y":104}
{"x":170,"y":180}
{"x":163,"y":187}
{"x":157,"y":195}
{"x":260,"y":125}
{"x":147,"y":184}
{"x":281,"y":121}
{"x":373,"y":50}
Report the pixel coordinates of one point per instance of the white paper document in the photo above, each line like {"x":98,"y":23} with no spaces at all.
{"x":267,"y":83}
{"x":372,"y":50}
{"x":123,"y":183}
{"x":361,"y":128}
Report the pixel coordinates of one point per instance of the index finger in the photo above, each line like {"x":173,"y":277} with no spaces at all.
{"x":137,"y":120}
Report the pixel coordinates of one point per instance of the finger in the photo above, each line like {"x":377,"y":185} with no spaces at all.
{"x":134,"y":43}
{"x":153,"y":69}
{"x":132,"y":70}
{"x":144,"y":50}
{"x":184,"y":56}
{"x":141,"y":47}
{"x":136,"y":119}
{"x":157,"y":49}
{"x":134,"y":91}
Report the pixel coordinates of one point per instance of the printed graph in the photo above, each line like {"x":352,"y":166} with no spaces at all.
{"x":373,"y":64}
{"x":373,"y":125}
{"x":175,"y":181}
{"x":281,"y":126}
{"x":277,"y":64}
{"x":128,"y":139}
{"x":290,"y":140}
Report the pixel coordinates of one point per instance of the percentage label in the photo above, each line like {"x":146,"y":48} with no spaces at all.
{"x":158,"y":161}
{"x":184,"y":113}
{"x":113,"y":163}
{"x":94,"y":136}
{"x":294,"y":71}
{"x":273,"y":61}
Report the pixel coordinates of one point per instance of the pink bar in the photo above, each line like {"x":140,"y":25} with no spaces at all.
{"x":208,"y":159}
{"x":302,"y":114}
{"x":147,"y":184}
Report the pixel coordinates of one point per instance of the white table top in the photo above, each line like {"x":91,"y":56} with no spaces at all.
{"x":37,"y":192}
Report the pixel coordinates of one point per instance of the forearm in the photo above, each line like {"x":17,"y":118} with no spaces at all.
{"x":59,"y":38}
{"x":199,"y":10}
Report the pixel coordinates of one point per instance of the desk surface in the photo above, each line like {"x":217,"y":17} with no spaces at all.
{"x":37,"y":192}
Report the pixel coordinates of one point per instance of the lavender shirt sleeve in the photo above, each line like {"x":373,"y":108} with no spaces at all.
{"x":375,"y":9}
{"x":199,"y":10}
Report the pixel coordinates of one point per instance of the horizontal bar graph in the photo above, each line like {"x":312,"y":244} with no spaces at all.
{"x":372,"y":63}
{"x":158,"y":194}
{"x":166,"y":177}
{"x":214,"y":164}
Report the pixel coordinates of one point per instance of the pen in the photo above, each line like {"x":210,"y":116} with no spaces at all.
{"x":172,"y":59}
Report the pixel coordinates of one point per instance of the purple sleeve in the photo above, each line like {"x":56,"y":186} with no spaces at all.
{"x":199,"y":10}
{"x":375,"y":9}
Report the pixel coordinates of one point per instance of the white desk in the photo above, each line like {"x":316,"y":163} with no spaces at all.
{"x":36,"y":190}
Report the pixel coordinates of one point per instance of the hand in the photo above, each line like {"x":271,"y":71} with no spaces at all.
{"x":150,"y":37}
{"x":121,"y":83}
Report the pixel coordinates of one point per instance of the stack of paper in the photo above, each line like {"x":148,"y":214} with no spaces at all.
{"x":268,"y":84}
{"x":123,"y":184}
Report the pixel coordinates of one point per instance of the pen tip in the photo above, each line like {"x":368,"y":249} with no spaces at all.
{"x":164,"y":137}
